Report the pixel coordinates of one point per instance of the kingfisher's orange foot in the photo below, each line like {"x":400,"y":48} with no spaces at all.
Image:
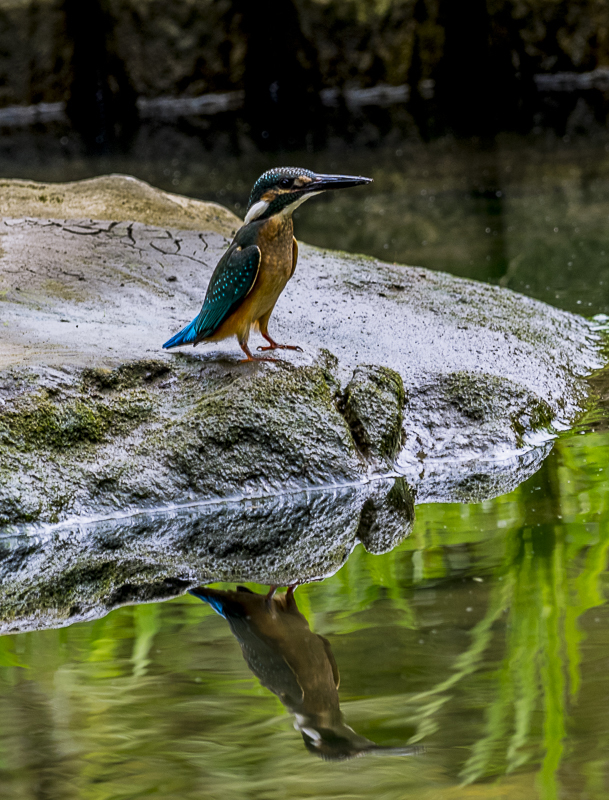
{"x":273,"y":345}
{"x":276,"y":346}
{"x":251,"y":357}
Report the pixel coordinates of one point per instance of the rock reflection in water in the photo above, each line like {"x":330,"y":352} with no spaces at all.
{"x":78,"y":571}
{"x":473,"y":479}
{"x":295,"y":664}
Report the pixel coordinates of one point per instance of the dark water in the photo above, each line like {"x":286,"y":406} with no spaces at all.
{"x":528,"y":214}
{"x":483,"y":637}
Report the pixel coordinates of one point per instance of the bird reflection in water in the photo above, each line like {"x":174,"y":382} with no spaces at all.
{"x":295,"y":664}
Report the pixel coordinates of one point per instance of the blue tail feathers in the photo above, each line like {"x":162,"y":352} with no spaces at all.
{"x":215,"y":602}
{"x":187,"y":335}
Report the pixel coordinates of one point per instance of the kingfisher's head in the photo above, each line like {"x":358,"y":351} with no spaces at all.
{"x":281,"y":190}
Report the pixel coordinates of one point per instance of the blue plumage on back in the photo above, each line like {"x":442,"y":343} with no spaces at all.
{"x":230,"y":284}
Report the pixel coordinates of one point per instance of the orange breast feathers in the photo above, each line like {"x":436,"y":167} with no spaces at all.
{"x":276,"y":243}
{"x":279,"y":253}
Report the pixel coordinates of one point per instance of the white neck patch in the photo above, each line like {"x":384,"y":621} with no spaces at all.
{"x":257,"y":210}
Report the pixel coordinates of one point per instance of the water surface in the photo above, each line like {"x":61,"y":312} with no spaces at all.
{"x":484,"y":636}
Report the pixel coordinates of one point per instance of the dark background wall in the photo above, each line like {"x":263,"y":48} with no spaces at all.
{"x":470,"y":64}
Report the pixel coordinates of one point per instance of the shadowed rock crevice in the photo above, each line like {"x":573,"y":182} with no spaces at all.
{"x":372,"y":405}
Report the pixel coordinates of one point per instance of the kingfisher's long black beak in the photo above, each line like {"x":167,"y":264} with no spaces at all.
{"x":322,"y":182}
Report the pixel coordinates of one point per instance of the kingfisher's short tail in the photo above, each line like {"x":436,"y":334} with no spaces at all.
{"x":187,"y":335}
{"x":230,"y":605}
{"x":214,"y":599}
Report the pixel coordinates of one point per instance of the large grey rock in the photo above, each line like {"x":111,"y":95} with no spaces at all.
{"x":483,"y":374}
{"x":455,"y":386}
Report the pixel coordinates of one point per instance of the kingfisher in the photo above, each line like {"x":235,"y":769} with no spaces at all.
{"x":260,"y":261}
{"x":295,"y":664}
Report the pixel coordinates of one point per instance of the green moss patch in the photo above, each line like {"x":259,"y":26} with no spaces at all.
{"x":487,"y":397}
{"x":40,"y":422}
{"x":126,"y":376}
{"x":372,"y":405}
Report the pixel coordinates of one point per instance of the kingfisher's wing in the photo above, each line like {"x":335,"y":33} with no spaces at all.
{"x":331,"y":659}
{"x":232,"y":281}
{"x":267,"y":661}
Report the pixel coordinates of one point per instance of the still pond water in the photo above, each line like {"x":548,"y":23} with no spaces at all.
{"x":484,"y":637}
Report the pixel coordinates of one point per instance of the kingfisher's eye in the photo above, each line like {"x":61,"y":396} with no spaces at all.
{"x":286,"y":183}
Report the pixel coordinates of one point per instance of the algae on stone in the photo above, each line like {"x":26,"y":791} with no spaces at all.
{"x":44,"y":422}
{"x":373,"y":403}
{"x":486,"y":397}
{"x":148,"y":435}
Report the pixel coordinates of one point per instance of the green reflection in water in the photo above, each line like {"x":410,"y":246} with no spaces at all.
{"x":483,"y":636}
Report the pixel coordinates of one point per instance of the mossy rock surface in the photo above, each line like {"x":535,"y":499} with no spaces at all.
{"x":446,"y":380}
{"x":109,"y":441}
{"x":453,"y":385}
{"x":373,"y":405}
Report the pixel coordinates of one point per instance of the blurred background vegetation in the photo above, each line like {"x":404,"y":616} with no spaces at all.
{"x":472,"y":68}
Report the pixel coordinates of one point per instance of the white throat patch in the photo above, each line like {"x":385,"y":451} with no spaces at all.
{"x":259,"y":208}
{"x":293,"y":206}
